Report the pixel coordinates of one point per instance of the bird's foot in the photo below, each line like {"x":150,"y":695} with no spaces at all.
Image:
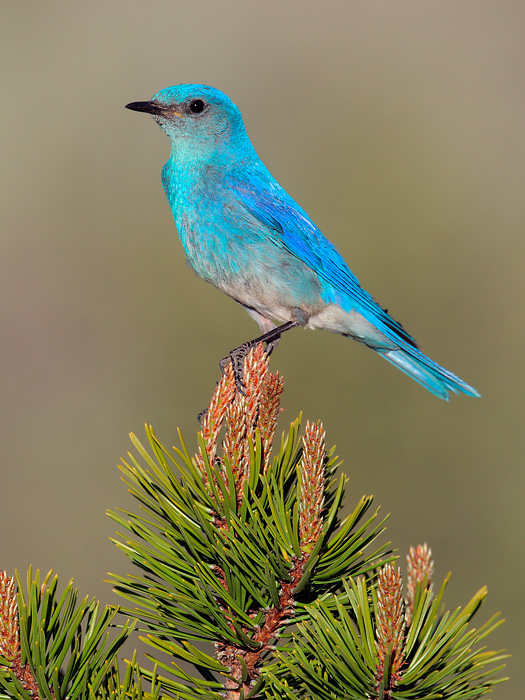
{"x":238,"y":355}
{"x":236,"y":358}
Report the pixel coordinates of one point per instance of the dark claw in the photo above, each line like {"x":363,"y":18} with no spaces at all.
{"x":223,"y":364}
{"x":201,"y":414}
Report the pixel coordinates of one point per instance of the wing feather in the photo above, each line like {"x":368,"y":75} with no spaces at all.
{"x":289,"y":226}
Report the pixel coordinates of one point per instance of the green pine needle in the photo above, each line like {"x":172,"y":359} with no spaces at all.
{"x":443,"y":656}
{"x":204,"y":582}
{"x":67,"y":647}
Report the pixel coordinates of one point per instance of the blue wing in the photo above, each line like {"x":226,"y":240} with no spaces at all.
{"x":289,"y":227}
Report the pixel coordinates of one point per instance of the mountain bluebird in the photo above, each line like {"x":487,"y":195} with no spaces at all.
{"x":243,"y":233}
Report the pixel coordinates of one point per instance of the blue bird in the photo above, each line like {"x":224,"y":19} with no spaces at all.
{"x":243,"y":233}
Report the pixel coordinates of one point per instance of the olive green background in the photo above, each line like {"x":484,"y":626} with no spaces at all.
{"x":399,"y":127}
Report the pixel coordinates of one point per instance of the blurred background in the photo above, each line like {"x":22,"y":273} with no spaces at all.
{"x":398,"y":126}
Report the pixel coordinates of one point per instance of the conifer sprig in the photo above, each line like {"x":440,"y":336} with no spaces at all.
{"x":54,"y":647}
{"x":390,"y":628}
{"x":233,"y":543}
{"x":247,"y":573}
{"x":362,"y":648}
{"x":420,"y":570}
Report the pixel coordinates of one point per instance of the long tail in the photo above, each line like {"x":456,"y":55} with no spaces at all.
{"x":438,"y":380}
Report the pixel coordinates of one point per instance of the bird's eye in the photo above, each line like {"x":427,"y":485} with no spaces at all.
{"x":196,"y":106}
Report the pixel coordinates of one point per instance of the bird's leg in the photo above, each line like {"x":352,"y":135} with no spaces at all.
{"x":236,"y":356}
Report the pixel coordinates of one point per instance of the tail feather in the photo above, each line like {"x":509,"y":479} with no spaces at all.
{"x":438,"y":380}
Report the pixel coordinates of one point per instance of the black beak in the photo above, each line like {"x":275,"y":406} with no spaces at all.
{"x":151,"y":107}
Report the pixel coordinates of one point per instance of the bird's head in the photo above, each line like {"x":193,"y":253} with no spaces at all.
{"x":195,"y":117}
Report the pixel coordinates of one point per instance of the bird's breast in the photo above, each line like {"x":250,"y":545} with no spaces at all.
{"x":246,"y":265}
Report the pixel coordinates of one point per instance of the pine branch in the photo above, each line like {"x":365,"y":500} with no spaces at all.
{"x":367,"y":650}
{"x":53,"y":647}
{"x":247,"y":572}
{"x":234,"y":544}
